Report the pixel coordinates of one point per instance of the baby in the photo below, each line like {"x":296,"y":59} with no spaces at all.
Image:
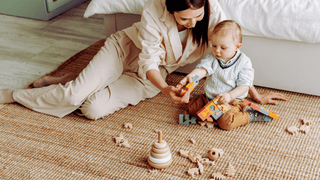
{"x":229,"y":76}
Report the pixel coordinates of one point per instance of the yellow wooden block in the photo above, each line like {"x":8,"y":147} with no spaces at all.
{"x":204,"y":114}
{"x":273,"y":115}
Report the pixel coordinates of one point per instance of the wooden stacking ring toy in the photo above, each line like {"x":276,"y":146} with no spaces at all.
{"x":160,"y":155}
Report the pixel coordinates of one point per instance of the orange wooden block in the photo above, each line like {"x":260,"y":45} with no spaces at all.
{"x":189,"y":87}
{"x":272,"y":114}
{"x":251,"y":105}
{"x":255,"y":107}
{"x":246,"y":102}
{"x":204,"y":115}
{"x":205,"y":112}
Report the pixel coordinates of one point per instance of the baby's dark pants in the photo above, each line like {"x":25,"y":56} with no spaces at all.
{"x":235,"y":117}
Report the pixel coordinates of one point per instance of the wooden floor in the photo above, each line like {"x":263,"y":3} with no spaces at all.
{"x":31,"y":48}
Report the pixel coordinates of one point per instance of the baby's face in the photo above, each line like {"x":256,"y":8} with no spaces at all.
{"x":223,"y":46}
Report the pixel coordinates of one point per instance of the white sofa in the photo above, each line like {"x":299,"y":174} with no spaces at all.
{"x":282,"y":37}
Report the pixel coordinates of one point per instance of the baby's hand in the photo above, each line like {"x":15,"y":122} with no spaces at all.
{"x":224,"y":98}
{"x":184,"y":82}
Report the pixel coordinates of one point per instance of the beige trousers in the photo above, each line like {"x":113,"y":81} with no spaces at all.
{"x":109,"y":82}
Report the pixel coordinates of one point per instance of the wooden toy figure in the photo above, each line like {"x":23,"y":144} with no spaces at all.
{"x":160,"y":155}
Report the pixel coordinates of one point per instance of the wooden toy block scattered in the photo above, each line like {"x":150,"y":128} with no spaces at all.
{"x":215,"y":153}
{"x":305,"y":121}
{"x":192,"y":141}
{"x":217,"y":176}
{"x":200,"y":166}
{"x":202,"y":123}
{"x":184,"y":153}
{"x":207,"y":124}
{"x":304,"y":129}
{"x":127,"y":125}
{"x":194,"y":157}
{"x":206,"y":161}
{"x":120,"y":141}
{"x":293,"y":130}
{"x":210,"y":125}
{"x":124,"y":143}
{"x":152,"y":171}
{"x":119,"y":138}
{"x":230,"y":171}
{"x":193,"y":171}
{"x":190,"y":86}
{"x":187,"y":120}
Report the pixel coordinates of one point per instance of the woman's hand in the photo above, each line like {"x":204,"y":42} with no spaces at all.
{"x":200,"y":72}
{"x":187,"y":79}
{"x":174,"y":94}
{"x":266,"y":98}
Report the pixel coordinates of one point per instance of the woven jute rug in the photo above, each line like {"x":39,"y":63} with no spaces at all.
{"x":39,"y":146}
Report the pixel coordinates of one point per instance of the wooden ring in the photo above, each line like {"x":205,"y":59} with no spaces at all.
{"x":160,"y":151}
{"x":161,"y":145}
{"x":159,"y":156}
{"x":160,"y":166}
{"x":159,"y":161}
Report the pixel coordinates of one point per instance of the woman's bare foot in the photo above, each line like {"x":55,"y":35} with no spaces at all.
{"x":47,"y":80}
{"x":43,"y":81}
{"x":6,"y":96}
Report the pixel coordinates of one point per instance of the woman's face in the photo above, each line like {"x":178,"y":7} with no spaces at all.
{"x":188,"y":18}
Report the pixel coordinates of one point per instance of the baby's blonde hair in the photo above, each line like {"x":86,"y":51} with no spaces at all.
{"x":223,"y":26}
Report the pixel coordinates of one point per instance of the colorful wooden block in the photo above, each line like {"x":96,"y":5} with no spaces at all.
{"x":255,"y":107}
{"x":213,"y":109}
{"x":274,"y":115}
{"x":205,"y":113}
{"x":181,"y":120}
{"x":246,"y":102}
{"x":219,"y":109}
{"x":269,"y":114}
{"x":190,"y":86}
{"x":217,"y":114}
{"x":267,"y":119}
{"x":187,"y":120}
{"x":222,"y":107}
{"x":264,"y":111}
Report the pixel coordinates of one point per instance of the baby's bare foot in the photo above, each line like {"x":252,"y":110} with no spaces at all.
{"x":6,"y":96}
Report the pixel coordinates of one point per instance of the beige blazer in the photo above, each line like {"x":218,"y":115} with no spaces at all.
{"x":158,"y":38}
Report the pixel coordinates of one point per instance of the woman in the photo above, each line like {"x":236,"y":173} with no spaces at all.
{"x":133,"y":63}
